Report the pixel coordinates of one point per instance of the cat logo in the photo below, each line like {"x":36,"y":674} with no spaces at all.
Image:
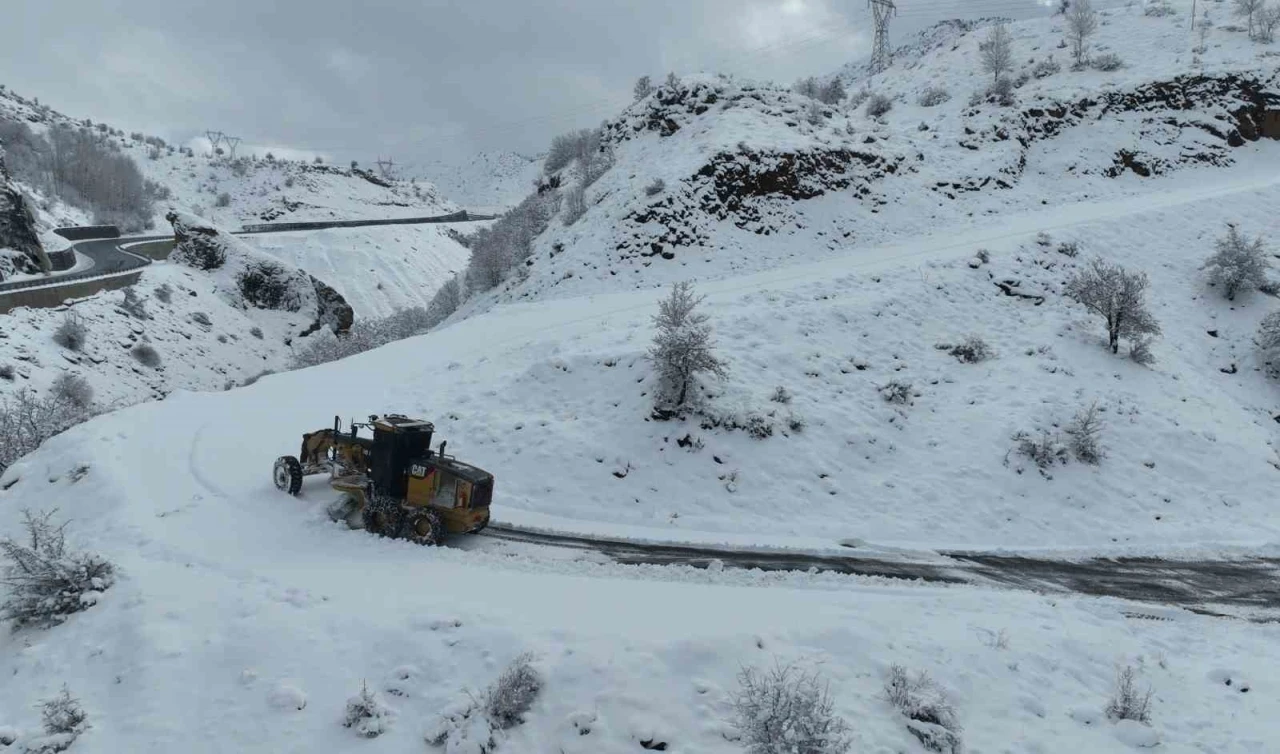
{"x":419,"y":470}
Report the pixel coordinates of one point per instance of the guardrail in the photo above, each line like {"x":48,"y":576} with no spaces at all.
{"x":461,"y":216}
{"x":88,"y":232}
{"x":59,"y":280}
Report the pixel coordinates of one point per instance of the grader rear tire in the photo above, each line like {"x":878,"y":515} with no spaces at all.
{"x":287,"y":474}
{"x":424,"y":527}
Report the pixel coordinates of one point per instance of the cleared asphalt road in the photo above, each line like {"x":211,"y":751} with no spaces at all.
{"x":1207,"y":586}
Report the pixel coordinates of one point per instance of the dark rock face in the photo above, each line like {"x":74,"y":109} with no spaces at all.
{"x":18,"y":228}
{"x":196,"y":246}
{"x":334,"y":311}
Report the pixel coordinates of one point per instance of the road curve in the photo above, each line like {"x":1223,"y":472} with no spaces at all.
{"x":1250,"y":584}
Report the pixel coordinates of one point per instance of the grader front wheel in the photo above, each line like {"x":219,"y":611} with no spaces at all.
{"x":287,"y":474}
{"x":383,"y":516}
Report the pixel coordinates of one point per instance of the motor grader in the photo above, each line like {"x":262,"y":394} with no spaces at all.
{"x":393,"y":484}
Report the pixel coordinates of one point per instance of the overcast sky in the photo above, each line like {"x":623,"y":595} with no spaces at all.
{"x":414,"y":79}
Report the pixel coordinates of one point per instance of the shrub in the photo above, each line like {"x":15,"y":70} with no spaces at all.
{"x":1268,"y":23}
{"x":897,"y":392}
{"x":164,"y":293}
{"x":256,"y":332}
{"x":72,"y":333}
{"x":48,"y":583}
{"x":1069,"y":248}
{"x":1158,"y":8}
{"x":499,"y":248}
{"x":1239,"y":264}
{"x":502,"y":706}
{"x":1045,"y":450}
{"x":200,"y":318}
{"x":367,"y":714}
{"x":1128,"y":703}
{"x":996,"y":51}
{"x":1085,"y":433}
{"x":983,"y":256}
{"x":63,"y":720}
{"x":223,"y":200}
{"x":1045,"y":68}
{"x":934,"y":96}
{"x":642,"y":89}
{"x":878,"y":105}
{"x":1108,"y":62}
{"x":134,"y":304}
{"x":26,"y":421}
{"x":575,"y":205}
{"x":363,"y":336}
{"x":781,"y":395}
{"x":1118,"y":296}
{"x":72,"y":388}
{"x":146,"y":355}
{"x":6,"y":372}
{"x":972,"y":350}
{"x":786,"y":710}
{"x":289,"y":182}
{"x":1140,"y":351}
{"x":1082,"y":23}
{"x":1001,"y":92}
{"x":1269,"y":343}
{"x":682,"y":347}
{"x":931,"y":716}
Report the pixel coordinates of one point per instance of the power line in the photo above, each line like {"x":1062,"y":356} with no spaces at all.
{"x":881,"y":54}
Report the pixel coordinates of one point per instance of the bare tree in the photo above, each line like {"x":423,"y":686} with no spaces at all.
{"x":832,"y":92}
{"x":1268,"y":22}
{"x":1238,"y":264}
{"x":997,"y":51}
{"x":1117,"y":295}
{"x":643,"y":88}
{"x":1249,"y":9}
{"x":1269,"y":343}
{"x":1082,"y":23}
{"x":809,"y":87}
{"x":682,"y":347}
{"x":1085,"y":431}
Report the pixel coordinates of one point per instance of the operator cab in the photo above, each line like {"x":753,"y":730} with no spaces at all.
{"x":397,"y":442}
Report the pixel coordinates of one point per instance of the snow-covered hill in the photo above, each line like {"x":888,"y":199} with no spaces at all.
{"x":487,"y":180}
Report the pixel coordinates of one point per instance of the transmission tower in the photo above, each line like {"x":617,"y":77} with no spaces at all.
{"x":384,"y":167}
{"x":215,"y":138}
{"x":881,"y":11}
{"x":232,"y":142}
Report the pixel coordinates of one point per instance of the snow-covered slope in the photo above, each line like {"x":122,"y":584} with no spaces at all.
{"x":487,"y":180}
{"x":376,"y":269}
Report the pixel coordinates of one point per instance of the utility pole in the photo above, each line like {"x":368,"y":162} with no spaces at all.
{"x":881,"y":11}
{"x":384,"y":167}
{"x":232,"y":142}
{"x":1193,"y":15}
{"x":215,"y":138}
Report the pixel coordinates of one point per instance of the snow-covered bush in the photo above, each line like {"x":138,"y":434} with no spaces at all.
{"x":1001,"y":92}
{"x":897,"y":391}
{"x":1045,"y":449}
{"x":931,"y":717}
{"x":133,"y":304}
{"x":682,"y":347}
{"x":1140,"y":351}
{"x":829,"y":93}
{"x":445,"y":302}
{"x":1069,"y":249}
{"x":642,"y":89}
{"x":266,"y":285}
{"x":72,"y":388}
{"x":146,"y":355}
{"x":1269,"y":343}
{"x":223,"y":200}
{"x":200,"y":318}
{"x":506,"y":243}
{"x":1158,"y":8}
{"x":1116,"y":295}
{"x":1249,"y":10}
{"x":164,"y":292}
{"x":781,"y":395}
{"x":655,"y":188}
{"x":787,"y":710}
{"x":473,"y":726}
{"x":27,"y":420}
{"x":972,"y":351}
{"x":256,"y":332}
{"x":365,"y":335}
{"x":72,"y":332}
{"x":367,"y":714}
{"x":63,"y":720}
{"x":46,"y":581}
{"x":1045,"y":68}
{"x":1127,"y":702}
{"x":878,"y":105}
{"x":1085,"y":435}
{"x":575,"y":205}
{"x":1238,"y":264}
{"x":6,"y":372}
{"x":934,"y":96}
{"x":1108,"y":61}
{"x":1268,"y":23}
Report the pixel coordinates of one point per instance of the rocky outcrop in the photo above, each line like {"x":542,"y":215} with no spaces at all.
{"x":18,"y":232}
{"x":248,"y":279}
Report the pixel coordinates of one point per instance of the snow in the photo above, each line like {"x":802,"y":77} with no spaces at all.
{"x":244,"y":620}
{"x":484,"y":182}
{"x":376,"y":269}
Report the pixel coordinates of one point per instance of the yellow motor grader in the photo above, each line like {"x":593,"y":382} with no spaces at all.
{"x":393,"y":484}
